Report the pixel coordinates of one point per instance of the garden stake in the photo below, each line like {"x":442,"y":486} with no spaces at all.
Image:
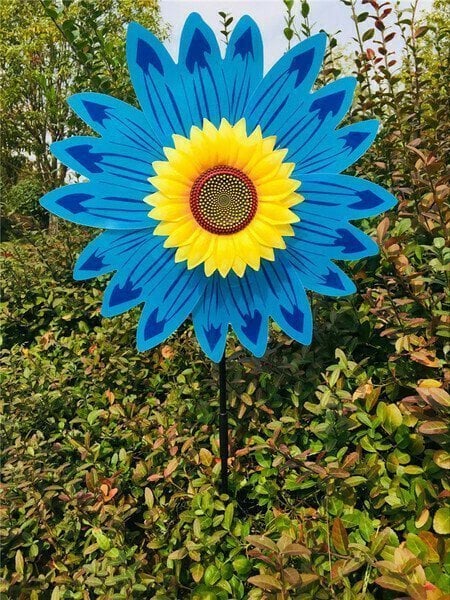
{"x":223,"y":425}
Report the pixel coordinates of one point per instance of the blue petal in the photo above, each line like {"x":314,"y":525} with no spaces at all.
{"x":137,"y":278}
{"x":291,"y":77}
{"x":287,"y":302}
{"x":174,"y":294}
{"x":118,"y":122}
{"x":201,"y":68}
{"x":243,"y":65}
{"x":321,"y":113}
{"x":98,"y":205}
{"x":108,"y":252}
{"x":338,"y":150}
{"x":211,"y":319}
{"x":328,"y":237}
{"x":157,"y":84}
{"x":341,"y":197}
{"x":104,"y":162}
{"x":320,"y":275}
{"x":247,"y":310}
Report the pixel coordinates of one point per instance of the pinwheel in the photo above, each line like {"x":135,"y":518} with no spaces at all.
{"x":222,"y":198}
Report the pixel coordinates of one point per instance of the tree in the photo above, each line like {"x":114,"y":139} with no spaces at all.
{"x":50,"y":49}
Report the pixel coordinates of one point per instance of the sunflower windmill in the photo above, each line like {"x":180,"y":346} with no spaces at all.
{"x":222,"y":198}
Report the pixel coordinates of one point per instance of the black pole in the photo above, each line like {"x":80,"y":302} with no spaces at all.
{"x":223,"y":424}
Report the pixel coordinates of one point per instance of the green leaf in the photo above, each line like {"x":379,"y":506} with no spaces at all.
{"x":392,"y":582}
{"x":228,"y":517}
{"x":266,"y":582}
{"x":392,"y":418}
{"x":262,"y":542}
{"x":441,"y":521}
{"x":212,"y":575}
{"x":368,"y":35}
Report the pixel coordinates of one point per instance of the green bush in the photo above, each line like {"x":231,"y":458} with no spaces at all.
{"x":111,"y":462}
{"x":20,"y":206}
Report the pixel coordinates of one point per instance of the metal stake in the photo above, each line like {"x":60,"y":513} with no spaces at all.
{"x":223,"y":425}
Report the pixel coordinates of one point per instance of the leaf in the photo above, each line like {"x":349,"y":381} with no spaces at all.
{"x":441,"y":521}
{"x":266,"y":582}
{"x":308,"y":578}
{"x":262,"y":542}
{"x":212,"y":575}
{"x":442,"y":459}
{"x":392,"y":582}
{"x":433,"y":428}
{"x":295,"y":550}
{"x":379,"y":541}
{"x":205,"y":456}
{"x":382,"y":229}
{"x":178,"y":554}
{"x":392,"y":418}
{"x":368,"y":35}
{"x":19,"y":562}
{"x":339,"y":536}
{"x":171,"y":467}
{"x":197,"y":571}
{"x":228,"y":517}
{"x":422,"y":518}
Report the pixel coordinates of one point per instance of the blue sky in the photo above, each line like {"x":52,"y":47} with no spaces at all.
{"x":329,"y":15}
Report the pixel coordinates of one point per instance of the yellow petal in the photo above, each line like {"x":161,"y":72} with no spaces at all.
{"x":184,"y":163}
{"x":268,"y":235}
{"x":274,"y":213}
{"x":267,"y":253}
{"x":179,"y":232}
{"x":239,"y":266}
{"x":247,"y":248}
{"x":276,"y":189}
{"x":271,"y":161}
{"x":171,"y":212}
{"x":200,"y":249}
{"x":170,"y":187}
{"x":224,"y":253}
{"x":284,"y":172}
{"x":285,"y":230}
{"x":182,"y":253}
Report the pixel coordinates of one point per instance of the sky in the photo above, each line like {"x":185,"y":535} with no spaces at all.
{"x":330,"y":15}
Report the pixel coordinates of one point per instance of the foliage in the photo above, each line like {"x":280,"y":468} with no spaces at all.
{"x":339,"y":451}
{"x":20,"y":205}
{"x":49,"y":50}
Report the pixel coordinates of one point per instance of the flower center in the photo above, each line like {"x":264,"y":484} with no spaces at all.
{"x":223,"y":200}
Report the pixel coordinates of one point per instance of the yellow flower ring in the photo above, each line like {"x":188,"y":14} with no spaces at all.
{"x":224,"y":198}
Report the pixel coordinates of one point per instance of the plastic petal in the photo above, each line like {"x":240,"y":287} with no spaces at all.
{"x":98,"y":205}
{"x":157,"y":84}
{"x":172,"y":299}
{"x":287,"y":301}
{"x":138,"y":277}
{"x":108,"y":252}
{"x":201,"y":69}
{"x":320,"y":275}
{"x":322,"y":111}
{"x":326,"y":237}
{"x":243,"y":65}
{"x":210,"y":317}
{"x":117,"y":122}
{"x":292,"y":75}
{"x":341,"y":197}
{"x":247,"y":310}
{"x":104,"y":162}
{"x":340,"y":149}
